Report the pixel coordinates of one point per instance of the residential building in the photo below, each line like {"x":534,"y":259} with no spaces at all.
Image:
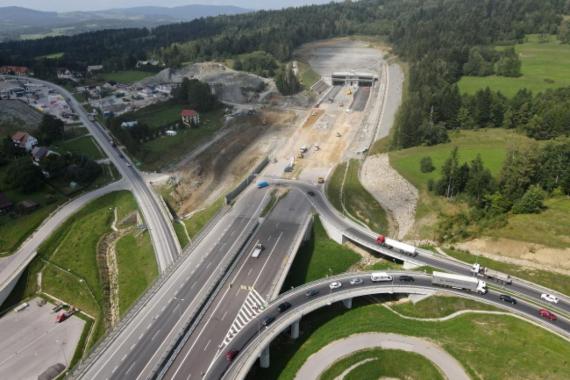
{"x":14,"y":70}
{"x":24,"y":140}
{"x":129,"y":124}
{"x":190,"y":118}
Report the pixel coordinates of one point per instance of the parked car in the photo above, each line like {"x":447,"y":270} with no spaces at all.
{"x":283,"y":306}
{"x":406,"y":278}
{"x":507,"y":298}
{"x":549,"y":298}
{"x":311,"y":193}
{"x":267,"y":321}
{"x":230,"y":355}
{"x":335,"y":285}
{"x":356,"y":281}
{"x":311,"y":293}
{"x":547,"y":315}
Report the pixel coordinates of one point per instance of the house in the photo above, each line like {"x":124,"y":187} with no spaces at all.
{"x":190,"y":118}
{"x":27,"y":206}
{"x":41,"y":152}
{"x":5,"y":204}
{"x":93,"y":68}
{"x":24,"y":140}
{"x":171,"y":133}
{"x":14,"y":70}
{"x":129,"y":124}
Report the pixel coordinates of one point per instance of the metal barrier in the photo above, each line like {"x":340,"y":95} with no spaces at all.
{"x":245,"y":183}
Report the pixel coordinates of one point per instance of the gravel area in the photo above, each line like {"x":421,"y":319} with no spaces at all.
{"x":391,"y":190}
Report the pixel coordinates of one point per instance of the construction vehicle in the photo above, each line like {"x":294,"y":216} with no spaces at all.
{"x":338,"y":134}
{"x":300,"y":155}
{"x":321,"y":180}
{"x":316,"y":148}
{"x":58,"y":307}
{"x":404,"y":248}
{"x":457,"y":281}
{"x":257,"y":250}
{"x":349,"y":92}
{"x":491,"y":274}
{"x":303,"y":149}
{"x":65,"y":315}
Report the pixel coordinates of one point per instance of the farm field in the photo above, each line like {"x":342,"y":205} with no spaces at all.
{"x":84,"y":145}
{"x":126,"y":77}
{"x":544,"y":65}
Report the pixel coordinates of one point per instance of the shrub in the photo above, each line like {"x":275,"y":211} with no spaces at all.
{"x":426,"y":165}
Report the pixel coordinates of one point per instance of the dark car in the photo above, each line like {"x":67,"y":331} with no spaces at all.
{"x":311,"y":193}
{"x":284,"y":306}
{"x":507,"y":298}
{"x":311,"y":293}
{"x":406,"y":278}
{"x":230,"y":355}
{"x":267,"y":321}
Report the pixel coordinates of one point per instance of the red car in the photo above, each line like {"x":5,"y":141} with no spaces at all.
{"x":547,"y":314}
{"x":230,"y":355}
{"x":381,"y":239}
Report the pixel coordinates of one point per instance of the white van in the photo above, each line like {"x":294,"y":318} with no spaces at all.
{"x":380,"y":276}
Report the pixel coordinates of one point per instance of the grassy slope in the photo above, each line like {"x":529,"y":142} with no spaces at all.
{"x":137,"y":268}
{"x":307,"y":76}
{"x":437,"y":307}
{"x":358,"y":202}
{"x":544,"y":65}
{"x":489,"y":347}
{"x":318,"y":258}
{"x":180,"y":234}
{"x":386,"y":363}
{"x":126,"y":77}
{"x":85,"y":146}
{"x":551,"y":280}
{"x":195,"y":224}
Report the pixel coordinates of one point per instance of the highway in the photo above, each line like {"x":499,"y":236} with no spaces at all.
{"x":137,"y":349}
{"x":367,"y":238}
{"x":164,"y":240}
{"x":248,"y":289}
{"x":251,"y":340}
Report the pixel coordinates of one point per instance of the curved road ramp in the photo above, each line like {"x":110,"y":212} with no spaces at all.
{"x":317,"y":363}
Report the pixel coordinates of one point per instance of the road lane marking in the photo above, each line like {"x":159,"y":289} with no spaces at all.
{"x":207,"y":344}
{"x":224,"y":316}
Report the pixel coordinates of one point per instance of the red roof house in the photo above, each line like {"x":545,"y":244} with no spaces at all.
{"x":190,"y":118}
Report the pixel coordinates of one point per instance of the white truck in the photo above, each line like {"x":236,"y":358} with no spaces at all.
{"x":492,"y":274}
{"x":458,"y":281}
{"x":397,"y":245}
{"x":257,"y":250}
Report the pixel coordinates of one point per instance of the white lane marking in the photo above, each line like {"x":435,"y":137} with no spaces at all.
{"x":224,"y":316}
{"x":249,"y":272}
{"x":130,"y":367}
{"x":154,"y":335}
{"x":207,"y":344}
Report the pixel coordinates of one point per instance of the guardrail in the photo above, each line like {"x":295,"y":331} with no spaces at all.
{"x":245,"y":183}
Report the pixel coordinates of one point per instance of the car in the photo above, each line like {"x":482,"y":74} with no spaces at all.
{"x":547,"y":314}
{"x":380,"y":276}
{"x":356,"y":281}
{"x":406,"y":278}
{"x":283,"y":306}
{"x":267,"y":321}
{"x":311,"y":193}
{"x":549,"y":298}
{"x":230,"y":355}
{"x":121,"y":155}
{"x":311,"y":293}
{"x":507,"y":298}
{"x":335,"y":285}
{"x":129,"y":165}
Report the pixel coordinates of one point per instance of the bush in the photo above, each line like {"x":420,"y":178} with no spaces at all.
{"x":532,"y":202}
{"x":426,"y":165}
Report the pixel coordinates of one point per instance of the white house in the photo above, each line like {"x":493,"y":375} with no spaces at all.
{"x":24,"y":140}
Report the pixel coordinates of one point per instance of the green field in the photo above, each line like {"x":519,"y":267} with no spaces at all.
{"x":438,"y":307}
{"x":168,"y":149}
{"x":51,"y":56}
{"x":199,"y":219}
{"x":544,"y":65}
{"x":358,"y":203}
{"x":84,"y":145}
{"x":488,"y":346}
{"x":181,"y":234}
{"x":137,"y":268}
{"x":307,"y":76}
{"x":383,"y":364}
{"x":160,"y":114}
{"x":126,"y":77}
{"x":319,"y":257}
{"x":556,"y":281}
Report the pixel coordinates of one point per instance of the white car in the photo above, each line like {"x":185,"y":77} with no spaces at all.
{"x":356,"y":281}
{"x":335,"y":285}
{"x":549,"y":298}
{"x":380,"y":276}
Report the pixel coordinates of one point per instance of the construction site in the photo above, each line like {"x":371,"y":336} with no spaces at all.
{"x":304,"y":135}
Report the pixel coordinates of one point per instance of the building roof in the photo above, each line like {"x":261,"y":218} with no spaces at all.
{"x":39,"y":152}
{"x":20,"y":136}
{"x":189,"y":113}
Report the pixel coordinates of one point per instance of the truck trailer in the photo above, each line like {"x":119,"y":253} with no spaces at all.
{"x":491,"y":274}
{"x":457,"y":281}
{"x":397,"y":245}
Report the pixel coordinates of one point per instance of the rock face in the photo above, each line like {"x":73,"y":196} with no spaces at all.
{"x":391,"y":190}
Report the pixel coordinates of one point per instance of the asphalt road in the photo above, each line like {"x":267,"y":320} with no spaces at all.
{"x":164,"y":240}
{"x":367,"y":238}
{"x":278,"y":233}
{"x":141,"y":346}
{"x":317,"y":363}
{"x":251,"y":338}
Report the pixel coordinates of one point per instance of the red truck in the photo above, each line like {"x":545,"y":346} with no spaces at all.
{"x":65,"y":314}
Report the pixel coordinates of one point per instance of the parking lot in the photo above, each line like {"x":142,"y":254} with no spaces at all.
{"x":27,"y":352}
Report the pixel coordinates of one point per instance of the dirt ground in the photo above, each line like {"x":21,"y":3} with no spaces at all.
{"x":16,"y":114}
{"x":521,"y":253}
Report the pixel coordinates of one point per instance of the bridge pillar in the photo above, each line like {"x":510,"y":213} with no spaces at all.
{"x":264,"y":358}
{"x":295,"y":329}
{"x":347,"y":303}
